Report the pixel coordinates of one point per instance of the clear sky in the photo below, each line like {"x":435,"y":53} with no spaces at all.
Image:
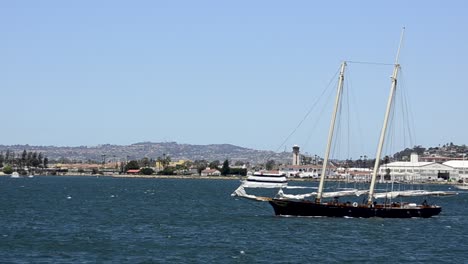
{"x":207,"y":72}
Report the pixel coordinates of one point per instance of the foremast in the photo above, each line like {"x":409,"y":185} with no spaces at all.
{"x":385,"y":123}
{"x":330,"y":132}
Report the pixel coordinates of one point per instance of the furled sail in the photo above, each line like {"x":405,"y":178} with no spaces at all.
{"x":281,"y":194}
{"x":350,"y":192}
{"x":412,"y":193}
{"x":240,"y":192}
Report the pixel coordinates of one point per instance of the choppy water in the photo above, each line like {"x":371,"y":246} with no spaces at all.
{"x":109,"y":220}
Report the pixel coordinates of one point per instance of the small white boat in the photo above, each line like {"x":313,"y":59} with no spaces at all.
{"x":463,"y":186}
{"x":15,"y":175}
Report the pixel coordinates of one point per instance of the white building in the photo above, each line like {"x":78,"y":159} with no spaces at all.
{"x":414,"y":170}
{"x":460,"y":169}
{"x":210,"y":172}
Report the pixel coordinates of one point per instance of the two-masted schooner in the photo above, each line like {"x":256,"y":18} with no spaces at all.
{"x":313,"y":204}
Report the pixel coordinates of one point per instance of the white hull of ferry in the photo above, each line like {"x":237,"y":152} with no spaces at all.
{"x":266,"y":180}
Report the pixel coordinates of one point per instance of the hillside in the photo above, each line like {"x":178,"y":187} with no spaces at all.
{"x":152,"y":150}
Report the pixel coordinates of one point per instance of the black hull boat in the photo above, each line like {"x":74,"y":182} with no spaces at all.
{"x":299,"y":205}
{"x":311,"y":208}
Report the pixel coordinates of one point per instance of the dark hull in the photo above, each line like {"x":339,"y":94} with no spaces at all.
{"x":309,"y":208}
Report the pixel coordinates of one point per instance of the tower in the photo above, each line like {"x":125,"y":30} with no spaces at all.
{"x":296,"y":158}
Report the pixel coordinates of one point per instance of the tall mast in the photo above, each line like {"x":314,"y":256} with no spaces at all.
{"x":330,"y":132}
{"x":385,"y":123}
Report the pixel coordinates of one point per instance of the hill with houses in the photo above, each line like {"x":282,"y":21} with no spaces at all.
{"x":211,"y":152}
{"x":150,"y":150}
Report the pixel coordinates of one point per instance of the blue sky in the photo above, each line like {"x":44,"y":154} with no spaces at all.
{"x":206,"y":72}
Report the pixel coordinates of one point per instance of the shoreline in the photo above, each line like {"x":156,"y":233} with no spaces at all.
{"x":195,"y":177}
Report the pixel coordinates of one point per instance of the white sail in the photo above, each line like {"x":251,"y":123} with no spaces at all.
{"x":351,"y":192}
{"x":281,"y":194}
{"x":412,"y":193}
{"x":240,"y":192}
{"x":299,"y":187}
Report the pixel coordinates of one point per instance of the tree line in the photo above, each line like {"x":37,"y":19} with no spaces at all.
{"x":181,"y":169}
{"x":26,"y":160}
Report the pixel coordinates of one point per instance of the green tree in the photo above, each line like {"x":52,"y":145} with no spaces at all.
{"x":237,"y":171}
{"x":167,"y":171}
{"x":7,"y":169}
{"x":122,"y":167}
{"x":132,"y":165}
{"x":145,"y":162}
{"x":2,"y":159}
{"x":23,"y":158}
{"x":188,"y":164}
{"x":239,"y":163}
{"x":164,"y":161}
{"x":270,"y":164}
{"x":225,"y":168}
{"x":7,"y":156}
{"x":214,"y":164}
{"x":35,"y":160}
{"x":147,"y":171}
{"x":29,"y":159}
{"x":46,"y":162}
{"x":40,"y":158}
{"x":201,"y":165}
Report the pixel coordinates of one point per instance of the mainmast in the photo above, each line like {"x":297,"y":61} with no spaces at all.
{"x":385,"y":123}
{"x":330,"y":132}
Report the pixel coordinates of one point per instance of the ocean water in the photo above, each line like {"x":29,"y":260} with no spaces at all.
{"x":116,"y":220}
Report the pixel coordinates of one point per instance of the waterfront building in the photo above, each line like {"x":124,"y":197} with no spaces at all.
{"x":460,"y":169}
{"x":415,"y":170}
{"x":210,"y":172}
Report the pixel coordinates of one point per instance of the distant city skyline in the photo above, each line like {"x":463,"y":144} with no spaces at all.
{"x":208,"y":72}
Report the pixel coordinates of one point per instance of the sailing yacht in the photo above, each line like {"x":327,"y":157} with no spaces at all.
{"x":300,"y":205}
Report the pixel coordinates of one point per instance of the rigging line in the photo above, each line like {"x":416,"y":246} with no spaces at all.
{"x":371,"y":63}
{"x":406,"y":128}
{"x":411,"y":125}
{"x":307,"y":114}
{"x":318,"y":119}
{"x":356,"y":112}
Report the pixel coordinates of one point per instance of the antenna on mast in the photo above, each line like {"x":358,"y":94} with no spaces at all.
{"x":399,"y":46}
